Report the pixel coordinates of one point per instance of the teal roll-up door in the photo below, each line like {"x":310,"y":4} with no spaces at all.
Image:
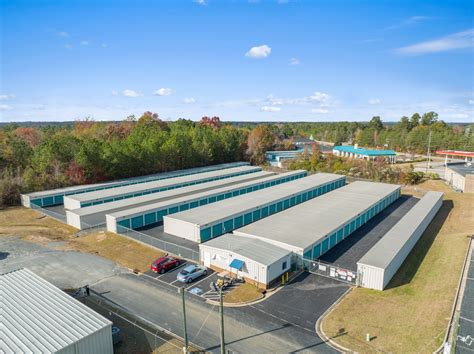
{"x":194,"y":205}
{"x":256,"y":215}
{"x":307,"y":254}
{"x":238,"y":221}
{"x":137,"y":222}
{"x":217,"y":230}
{"x":173,"y":210}
{"x":332,"y":241}
{"x":150,"y":218}
{"x":124,"y":223}
{"x":247,"y":218}
{"x":317,"y":251}
{"x":228,"y":225}
{"x":48,"y":201}
{"x":339,"y":235}
{"x":205,"y":234}
{"x":325,"y":245}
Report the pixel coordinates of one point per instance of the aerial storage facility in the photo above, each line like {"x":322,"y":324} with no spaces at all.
{"x":312,"y":228}
{"x":130,"y":191}
{"x":86,"y":217}
{"x":55,"y":196}
{"x":377,"y":267}
{"x":206,"y":222}
{"x":134,"y":218}
{"x":37,"y":317}
{"x":257,"y":261}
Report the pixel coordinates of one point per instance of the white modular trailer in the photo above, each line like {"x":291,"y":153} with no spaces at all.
{"x":314,"y":227}
{"x":134,"y":218}
{"x":136,"y":190}
{"x":55,"y":196}
{"x":37,"y":317}
{"x":378,"y":266}
{"x":91,"y":216}
{"x":213,"y":220}
{"x":256,"y":261}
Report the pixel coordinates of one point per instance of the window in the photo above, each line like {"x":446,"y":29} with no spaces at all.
{"x":283,"y":266}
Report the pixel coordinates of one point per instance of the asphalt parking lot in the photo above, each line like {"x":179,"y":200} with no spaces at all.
{"x":465,"y":334}
{"x":197,"y":287}
{"x":349,"y":251}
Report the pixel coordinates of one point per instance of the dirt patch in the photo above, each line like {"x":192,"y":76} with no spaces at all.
{"x":411,"y":316}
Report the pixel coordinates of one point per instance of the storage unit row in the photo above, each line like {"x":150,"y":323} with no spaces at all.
{"x":55,"y":196}
{"x":205,"y":223}
{"x":135,"y":218}
{"x":119,"y":193}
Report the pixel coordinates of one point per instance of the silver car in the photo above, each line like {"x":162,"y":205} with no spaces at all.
{"x":188,"y":274}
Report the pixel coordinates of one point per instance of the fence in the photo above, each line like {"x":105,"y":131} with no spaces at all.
{"x":331,"y":271}
{"x":47,"y":212}
{"x":168,"y":247}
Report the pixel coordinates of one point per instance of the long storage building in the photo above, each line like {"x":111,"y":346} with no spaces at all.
{"x":55,"y":196}
{"x":133,"y":218}
{"x":37,"y":317}
{"x":312,"y":228}
{"x":202,"y":224}
{"x":256,"y":261}
{"x":87,"y":217}
{"x":130,"y":191}
{"x":377,"y":267}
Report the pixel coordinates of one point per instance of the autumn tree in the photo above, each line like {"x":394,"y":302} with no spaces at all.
{"x":259,"y":141}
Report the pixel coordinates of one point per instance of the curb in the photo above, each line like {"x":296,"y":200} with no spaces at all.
{"x":319,"y":329}
{"x":240,"y":304}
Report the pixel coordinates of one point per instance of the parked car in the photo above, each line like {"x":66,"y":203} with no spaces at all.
{"x":163,"y":264}
{"x":188,"y":274}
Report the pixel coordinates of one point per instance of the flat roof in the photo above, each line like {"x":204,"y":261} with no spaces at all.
{"x":135,"y":188}
{"x":147,"y":199}
{"x":386,"y":249}
{"x":307,"y":223}
{"x":461,"y":168}
{"x":366,"y":152}
{"x":256,"y":250}
{"x":210,"y":213}
{"x":39,"y":317}
{"x":163,"y":175}
{"x":142,"y":209}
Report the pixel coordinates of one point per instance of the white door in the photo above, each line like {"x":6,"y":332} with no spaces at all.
{"x":207,"y":259}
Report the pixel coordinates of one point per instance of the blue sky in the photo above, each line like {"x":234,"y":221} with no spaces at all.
{"x":240,"y":60}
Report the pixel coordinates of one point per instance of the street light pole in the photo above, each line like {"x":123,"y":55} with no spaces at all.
{"x":185,"y":349}
{"x":221,"y":301}
{"x":428,"y":153}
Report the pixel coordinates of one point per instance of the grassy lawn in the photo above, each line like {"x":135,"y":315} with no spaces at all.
{"x":243,"y":293}
{"x":33,"y":226}
{"x":126,"y":252}
{"x":411,"y":316}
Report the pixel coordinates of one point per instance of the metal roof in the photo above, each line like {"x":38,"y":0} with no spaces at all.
{"x":384,"y":251}
{"x":144,"y":208}
{"x":139,"y":179}
{"x":97,"y":212}
{"x":135,"y":188}
{"x":461,"y":168}
{"x":305,"y":224}
{"x":365,"y":152}
{"x":210,"y":213}
{"x":256,"y":250}
{"x":39,"y":317}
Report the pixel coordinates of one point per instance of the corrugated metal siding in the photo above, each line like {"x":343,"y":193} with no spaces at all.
{"x":38,"y":317}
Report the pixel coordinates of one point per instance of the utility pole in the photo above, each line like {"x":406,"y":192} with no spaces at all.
{"x":428,"y":153}
{"x":221,"y":301}
{"x":185,"y":349}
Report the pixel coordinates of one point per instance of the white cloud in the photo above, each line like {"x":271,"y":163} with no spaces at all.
{"x":374,"y":101}
{"x":201,"y":2}
{"x":270,"y":109}
{"x":320,"y":97}
{"x":319,"y":110}
{"x":63,"y":34}
{"x":409,"y":22}
{"x":130,"y":93}
{"x":189,"y":100}
{"x":460,"y":40}
{"x":5,"y":107}
{"x":259,"y":52}
{"x":471,"y":101}
{"x":84,"y":43}
{"x":164,"y":91}
{"x":7,"y":97}
{"x":294,"y":61}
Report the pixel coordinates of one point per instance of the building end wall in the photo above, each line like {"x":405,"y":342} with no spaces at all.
{"x":71,"y":203}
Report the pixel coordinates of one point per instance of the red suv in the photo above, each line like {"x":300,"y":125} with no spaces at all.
{"x":163,"y":264}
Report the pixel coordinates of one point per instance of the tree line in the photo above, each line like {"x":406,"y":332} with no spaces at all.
{"x":42,"y":157}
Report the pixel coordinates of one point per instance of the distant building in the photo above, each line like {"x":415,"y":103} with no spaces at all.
{"x":37,"y":317}
{"x":366,"y":154}
{"x":276,"y":158}
{"x":460,"y":175}
{"x":302,"y":142}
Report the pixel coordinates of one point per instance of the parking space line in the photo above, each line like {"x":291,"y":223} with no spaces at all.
{"x":203,"y":279}
{"x":172,"y":270}
{"x":161,"y":281}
